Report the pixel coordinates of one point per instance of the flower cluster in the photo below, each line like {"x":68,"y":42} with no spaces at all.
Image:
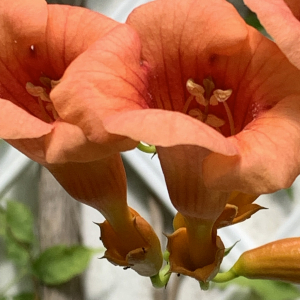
{"x":219,"y":101}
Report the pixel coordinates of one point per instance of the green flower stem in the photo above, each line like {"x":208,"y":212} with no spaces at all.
{"x":224,"y":277}
{"x":166,"y":255}
{"x":161,"y":279}
{"x":146,"y":148}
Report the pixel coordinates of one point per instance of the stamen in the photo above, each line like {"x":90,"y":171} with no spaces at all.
{"x":222,"y":96}
{"x":194,"y":88}
{"x":187,"y":104}
{"x":230,"y":118}
{"x":207,"y":96}
{"x":44,"y":112}
{"x":37,"y":91}
{"x":48,"y":111}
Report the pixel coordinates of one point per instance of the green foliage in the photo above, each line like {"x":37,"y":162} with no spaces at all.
{"x":20,"y":222}
{"x":2,"y":223}
{"x":54,"y":266}
{"x":17,"y":231}
{"x":16,"y":251}
{"x":60,"y":263}
{"x":24,"y":296}
{"x":266,"y":289}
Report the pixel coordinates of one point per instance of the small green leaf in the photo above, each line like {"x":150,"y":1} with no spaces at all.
{"x":15,"y":251}
{"x":61,"y":263}
{"x":24,"y":296}
{"x":20,"y":221}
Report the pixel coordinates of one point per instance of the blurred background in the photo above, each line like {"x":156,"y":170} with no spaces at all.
{"x":56,"y":219}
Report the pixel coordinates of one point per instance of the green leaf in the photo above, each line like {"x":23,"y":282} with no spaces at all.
{"x":24,"y":296}
{"x":16,"y":252}
{"x":20,"y":221}
{"x":59,"y":264}
{"x":267,"y":289}
{"x":2,"y":223}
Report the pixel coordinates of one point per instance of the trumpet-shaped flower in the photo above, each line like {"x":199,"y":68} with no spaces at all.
{"x":43,"y":45}
{"x":223,"y":113}
{"x":34,"y":58}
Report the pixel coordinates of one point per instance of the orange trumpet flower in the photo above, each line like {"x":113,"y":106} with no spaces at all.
{"x":42,"y":46}
{"x":223,"y":112}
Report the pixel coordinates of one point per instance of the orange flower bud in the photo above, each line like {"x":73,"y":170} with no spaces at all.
{"x":279,"y":260}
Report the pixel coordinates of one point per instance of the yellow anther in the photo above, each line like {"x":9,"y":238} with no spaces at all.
{"x":194,"y":88}
{"x":213,"y":100}
{"x":37,"y":91}
{"x":47,"y":109}
{"x":214,"y":121}
{"x":221,"y":95}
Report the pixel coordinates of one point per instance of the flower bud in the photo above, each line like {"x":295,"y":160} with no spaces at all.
{"x":279,"y":260}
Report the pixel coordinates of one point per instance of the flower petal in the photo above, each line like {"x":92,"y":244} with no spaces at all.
{"x":270,"y":153}
{"x":106,"y":78}
{"x":33,"y":148}
{"x":282,"y":24}
{"x":24,"y":21}
{"x":67,"y":142}
{"x":54,"y":37}
{"x":16,"y":123}
{"x":166,"y":129}
{"x":182,"y":40}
